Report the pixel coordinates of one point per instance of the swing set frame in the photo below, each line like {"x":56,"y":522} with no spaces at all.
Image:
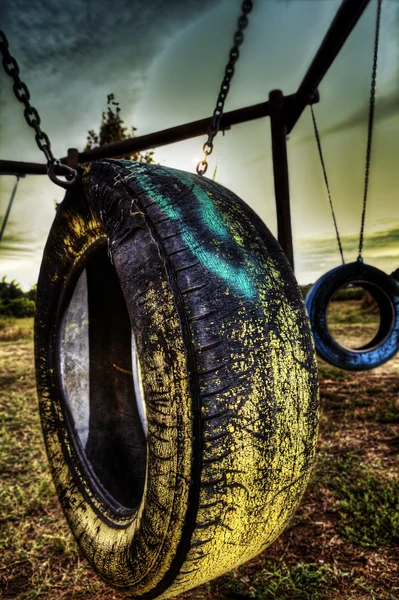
{"x":284,"y":112}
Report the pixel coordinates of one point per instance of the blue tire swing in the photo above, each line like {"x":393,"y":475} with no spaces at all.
{"x":385,"y":291}
{"x":384,"y":288}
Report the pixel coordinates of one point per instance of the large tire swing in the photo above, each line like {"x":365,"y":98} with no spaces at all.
{"x":176,"y":376}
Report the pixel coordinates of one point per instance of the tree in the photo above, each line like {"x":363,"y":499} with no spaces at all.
{"x":14,"y":302}
{"x":10,"y":290}
{"x":112,"y":129}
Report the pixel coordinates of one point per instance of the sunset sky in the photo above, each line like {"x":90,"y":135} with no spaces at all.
{"x":164,"y":62}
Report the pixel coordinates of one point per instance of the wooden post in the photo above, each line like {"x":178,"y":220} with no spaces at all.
{"x":280,"y":171}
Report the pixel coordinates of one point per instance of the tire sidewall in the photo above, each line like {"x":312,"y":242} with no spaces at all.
{"x":107,"y":534}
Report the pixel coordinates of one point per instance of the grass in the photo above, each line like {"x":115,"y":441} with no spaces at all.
{"x":329,"y":372}
{"x":353,"y":312}
{"x":277,"y":580}
{"x":368,"y":510}
{"x":388,"y":412}
{"x":38,"y":557}
{"x":353,"y":317}
{"x":12,"y":330}
{"x":343,"y":542}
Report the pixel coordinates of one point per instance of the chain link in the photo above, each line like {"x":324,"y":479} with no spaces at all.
{"x":370,"y":126}
{"x":214,"y":125}
{"x":54,"y":166}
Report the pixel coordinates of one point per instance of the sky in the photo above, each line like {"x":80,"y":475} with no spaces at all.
{"x":164,"y":62}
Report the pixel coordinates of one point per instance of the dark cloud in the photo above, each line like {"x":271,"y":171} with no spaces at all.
{"x":15,"y":246}
{"x":387,"y":239}
{"x":48,"y":33}
{"x":318,"y":255}
{"x":11,"y":251}
{"x":72,"y":55}
{"x":387,"y":106}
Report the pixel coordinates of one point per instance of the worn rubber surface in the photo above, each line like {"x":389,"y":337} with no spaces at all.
{"x":228,"y":371}
{"x":384,"y":289}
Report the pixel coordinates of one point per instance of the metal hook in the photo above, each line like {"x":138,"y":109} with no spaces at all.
{"x":56,"y":169}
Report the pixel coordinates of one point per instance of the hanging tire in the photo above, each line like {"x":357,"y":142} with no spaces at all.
{"x":384,"y":289}
{"x":177,"y":381}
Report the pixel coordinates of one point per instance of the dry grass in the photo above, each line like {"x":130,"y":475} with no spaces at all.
{"x":12,"y":330}
{"x":342,"y":543}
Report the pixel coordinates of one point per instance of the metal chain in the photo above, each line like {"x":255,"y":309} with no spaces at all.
{"x":21,"y":91}
{"x":214,"y":125}
{"x":370,"y":126}
{"x":369,"y":142}
{"x":323,"y":166}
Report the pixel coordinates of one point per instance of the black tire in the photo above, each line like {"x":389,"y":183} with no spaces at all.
{"x":228,"y":377}
{"x":384,"y":289}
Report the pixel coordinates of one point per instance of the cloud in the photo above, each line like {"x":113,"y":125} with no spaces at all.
{"x":16,"y":242}
{"x":317,"y":255}
{"x":11,"y":251}
{"x":387,"y":106}
{"x":71,"y":55}
{"x":46,"y":35}
{"x":12,"y":248}
{"x":386,"y":239}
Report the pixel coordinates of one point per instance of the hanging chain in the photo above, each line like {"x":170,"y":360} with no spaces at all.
{"x":368,"y":151}
{"x":214,"y":125}
{"x":323,"y":166}
{"x":54,"y":166}
{"x":370,"y":126}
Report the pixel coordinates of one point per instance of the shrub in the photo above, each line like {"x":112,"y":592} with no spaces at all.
{"x":14,"y":302}
{"x":17,"y":307}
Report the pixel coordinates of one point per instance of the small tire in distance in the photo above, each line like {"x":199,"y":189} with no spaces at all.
{"x":384,"y":289}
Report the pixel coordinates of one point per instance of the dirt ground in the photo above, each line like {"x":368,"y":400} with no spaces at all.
{"x":343,"y":542}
